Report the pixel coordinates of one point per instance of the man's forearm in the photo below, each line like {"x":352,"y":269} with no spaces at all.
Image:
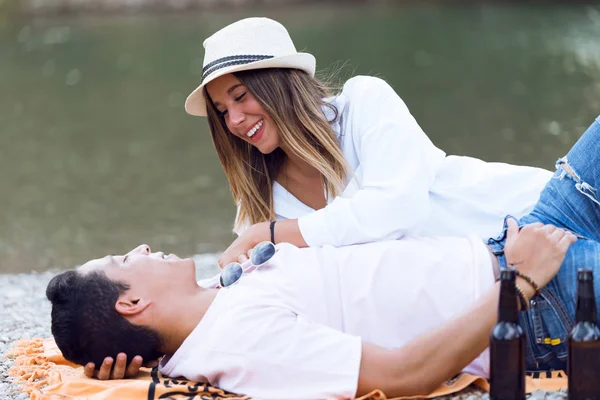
{"x":427,"y":361}
{"x":449,"y":349}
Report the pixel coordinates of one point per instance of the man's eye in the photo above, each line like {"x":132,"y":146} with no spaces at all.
{"x":125,"y":258}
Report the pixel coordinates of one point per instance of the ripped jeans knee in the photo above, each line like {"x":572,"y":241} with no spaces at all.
{"x":567,"y":172}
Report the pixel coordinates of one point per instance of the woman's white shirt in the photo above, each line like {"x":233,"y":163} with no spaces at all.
{"x":406,"y":185}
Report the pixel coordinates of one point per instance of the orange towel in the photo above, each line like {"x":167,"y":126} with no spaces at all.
{"x":44,"y":374}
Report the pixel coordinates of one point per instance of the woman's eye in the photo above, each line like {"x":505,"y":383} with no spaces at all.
{"x":222,"y":114}
{"x":240,"y":97}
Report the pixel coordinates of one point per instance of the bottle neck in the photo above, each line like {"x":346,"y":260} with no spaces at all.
{"x":586,"y":302}
{"x":508,"y":309}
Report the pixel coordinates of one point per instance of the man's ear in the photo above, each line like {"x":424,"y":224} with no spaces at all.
{"x":131,"y":305}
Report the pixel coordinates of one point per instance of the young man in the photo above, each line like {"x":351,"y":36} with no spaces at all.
{"x":312,"y":323}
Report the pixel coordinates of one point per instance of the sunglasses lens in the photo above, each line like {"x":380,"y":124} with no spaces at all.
{"x":230,"y":274}
{"x":262,"y":253}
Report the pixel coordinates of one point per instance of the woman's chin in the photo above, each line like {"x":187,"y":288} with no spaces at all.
{"x":266,"y":149}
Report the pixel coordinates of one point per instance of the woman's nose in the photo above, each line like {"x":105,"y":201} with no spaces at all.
{"x":236,"y":117}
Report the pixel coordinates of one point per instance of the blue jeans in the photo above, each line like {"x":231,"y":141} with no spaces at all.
{"x":569,"y":200}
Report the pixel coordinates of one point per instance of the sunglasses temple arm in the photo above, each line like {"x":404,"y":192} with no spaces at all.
{"x":211,"y":283}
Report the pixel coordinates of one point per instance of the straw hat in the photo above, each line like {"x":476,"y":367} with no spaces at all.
{"x":250,"y":43}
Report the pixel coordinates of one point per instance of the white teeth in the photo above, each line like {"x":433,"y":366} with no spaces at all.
{"x":256,"y":127}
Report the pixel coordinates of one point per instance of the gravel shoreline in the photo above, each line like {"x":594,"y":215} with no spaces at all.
{"x":25,"y":314}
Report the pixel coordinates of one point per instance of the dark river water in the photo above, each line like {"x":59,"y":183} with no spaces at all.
{"x":97,"y":154}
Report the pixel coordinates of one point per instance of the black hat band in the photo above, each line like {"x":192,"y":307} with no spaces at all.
{"x":229,"y":61}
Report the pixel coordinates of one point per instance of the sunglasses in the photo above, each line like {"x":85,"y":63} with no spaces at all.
{"x":232,"y":272}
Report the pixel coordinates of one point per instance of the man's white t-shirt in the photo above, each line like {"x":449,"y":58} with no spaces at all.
{"x":293,"y":328}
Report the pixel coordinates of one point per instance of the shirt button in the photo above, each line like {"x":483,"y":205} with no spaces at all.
{"x":532,"y":302}
{"x":538,"y":340}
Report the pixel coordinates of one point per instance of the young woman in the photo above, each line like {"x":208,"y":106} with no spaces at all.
{"x":338,"y":170}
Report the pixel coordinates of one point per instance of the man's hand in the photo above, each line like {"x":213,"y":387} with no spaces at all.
{"x":121,"y":369}
{"x":537,"y":250}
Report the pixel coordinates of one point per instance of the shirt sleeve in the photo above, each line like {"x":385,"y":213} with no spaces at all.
{"x":289,"y":358}
{"x":398,"y":166}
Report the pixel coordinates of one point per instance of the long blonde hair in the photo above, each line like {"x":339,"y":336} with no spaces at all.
{"x":295,"y":101}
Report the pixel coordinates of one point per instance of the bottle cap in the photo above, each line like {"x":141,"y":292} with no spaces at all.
{"x":507,"y":274}
{"x":585,"y":274}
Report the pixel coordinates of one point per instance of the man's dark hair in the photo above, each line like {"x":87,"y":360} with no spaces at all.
{"x":87,"y":327}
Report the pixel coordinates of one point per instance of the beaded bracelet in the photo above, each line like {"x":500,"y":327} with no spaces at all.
{"x":528,"y":280}
{"x":522,"y":298}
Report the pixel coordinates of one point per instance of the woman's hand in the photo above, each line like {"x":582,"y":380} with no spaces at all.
{"x":246,"y":241}
{"x":121,"y":369}
{"x":537,"y":250}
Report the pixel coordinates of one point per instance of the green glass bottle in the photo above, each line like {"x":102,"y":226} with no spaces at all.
{"x":583,"y":364}
{"x":507,"y":345}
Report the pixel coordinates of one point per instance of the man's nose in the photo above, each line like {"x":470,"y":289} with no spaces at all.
{"x":143,"y":249}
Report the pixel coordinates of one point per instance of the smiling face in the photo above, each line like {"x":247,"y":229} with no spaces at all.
{"x":150,"y":275}
{"x":243,"y":114}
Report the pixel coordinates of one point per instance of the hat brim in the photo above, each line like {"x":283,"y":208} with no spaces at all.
{"x":195,"y":103}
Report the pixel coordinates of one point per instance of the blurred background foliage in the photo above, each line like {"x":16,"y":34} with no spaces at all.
{"x":97,"y":154}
